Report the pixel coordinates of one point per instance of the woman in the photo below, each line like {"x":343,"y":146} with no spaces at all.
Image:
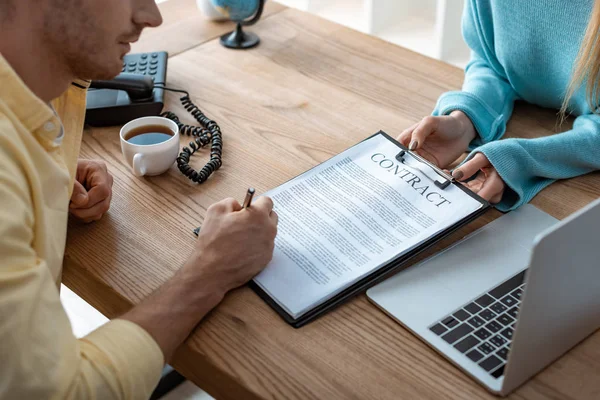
{"x":537,"y":51}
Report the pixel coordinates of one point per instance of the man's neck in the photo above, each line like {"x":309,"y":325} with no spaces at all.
{"x":36,"y":64}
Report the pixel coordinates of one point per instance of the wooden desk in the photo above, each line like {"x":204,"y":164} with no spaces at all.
{"x":310,"y":90}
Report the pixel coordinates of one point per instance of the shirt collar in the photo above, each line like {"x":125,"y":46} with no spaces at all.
{"x":25,"y":105}
{"x":82,"y":83}
{"x":37,"y":117}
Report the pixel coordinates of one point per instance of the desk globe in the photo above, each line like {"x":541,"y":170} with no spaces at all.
{"x":240,"y":11}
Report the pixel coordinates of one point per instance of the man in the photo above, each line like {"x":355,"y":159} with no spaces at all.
{"x":45,"y":45}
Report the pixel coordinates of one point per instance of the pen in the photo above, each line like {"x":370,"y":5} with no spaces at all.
{"x":248,"y":199}
{"x":247,"y":202}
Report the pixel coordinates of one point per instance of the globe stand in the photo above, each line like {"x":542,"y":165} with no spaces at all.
{"x":239,"y":39}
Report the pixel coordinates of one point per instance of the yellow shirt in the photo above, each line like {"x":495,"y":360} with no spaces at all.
{"x":39,"y":355}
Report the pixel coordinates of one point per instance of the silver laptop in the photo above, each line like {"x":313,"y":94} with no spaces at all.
{"x":507,"y":300}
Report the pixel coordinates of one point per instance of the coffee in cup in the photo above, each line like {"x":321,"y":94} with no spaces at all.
{"x":149,"y":134}
{"x":150,"y":145}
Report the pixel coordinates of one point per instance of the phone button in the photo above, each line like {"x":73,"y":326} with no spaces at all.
{"x":154,"y":55}
{"x":144,"y":56}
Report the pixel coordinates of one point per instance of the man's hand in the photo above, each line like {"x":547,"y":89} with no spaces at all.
{"x":234,"y":244}
{"x":92,"y":191}
{"x":442,"y":139}
{"x":487,"y":183}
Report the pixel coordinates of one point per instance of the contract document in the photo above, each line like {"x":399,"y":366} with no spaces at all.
{"x":349,"y":217}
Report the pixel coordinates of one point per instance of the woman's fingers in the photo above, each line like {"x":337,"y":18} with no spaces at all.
{"x":470,"y":168}
{"x":475,"y":185}
{"x":493,"y":187}
{"x":489,"y":185}
{"x":425,"y":128}
{"x":406,"y":135}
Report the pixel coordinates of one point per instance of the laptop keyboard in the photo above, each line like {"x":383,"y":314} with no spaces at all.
{"x":483,"y":328}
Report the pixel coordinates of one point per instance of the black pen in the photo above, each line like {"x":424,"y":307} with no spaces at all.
{"x":247,"y":202}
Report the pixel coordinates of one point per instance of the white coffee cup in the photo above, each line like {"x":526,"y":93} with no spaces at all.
{"x":150,"y":159}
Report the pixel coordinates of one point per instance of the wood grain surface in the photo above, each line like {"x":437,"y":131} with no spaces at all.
{"x":310,"y":90}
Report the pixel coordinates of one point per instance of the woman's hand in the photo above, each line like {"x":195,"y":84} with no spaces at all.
{"x":92,"y":191}
{"x":487,"y":182}
{"x":442,"y":139}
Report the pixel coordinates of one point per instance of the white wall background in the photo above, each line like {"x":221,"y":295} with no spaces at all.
{"x":430,"y":27}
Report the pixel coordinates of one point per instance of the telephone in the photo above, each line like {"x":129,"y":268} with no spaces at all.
{"x":135,"y":93}
{"x":139,"y":91}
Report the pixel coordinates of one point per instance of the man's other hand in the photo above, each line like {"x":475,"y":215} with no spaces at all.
{"x":234,"y":244}
{"x":92,"y":191}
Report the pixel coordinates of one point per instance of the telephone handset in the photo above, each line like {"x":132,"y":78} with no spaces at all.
{"x":140,"y":88}
{"x":130,"y":95}
{"x":139,"y":92}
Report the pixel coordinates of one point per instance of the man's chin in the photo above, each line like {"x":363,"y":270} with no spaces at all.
{"x":125,"y":48}
{"x":106,"y":72}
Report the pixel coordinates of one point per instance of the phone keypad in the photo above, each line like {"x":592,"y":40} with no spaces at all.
{"x":151,"y":64}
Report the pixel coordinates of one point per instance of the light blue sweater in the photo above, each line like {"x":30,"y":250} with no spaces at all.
{"x":524,"y":50}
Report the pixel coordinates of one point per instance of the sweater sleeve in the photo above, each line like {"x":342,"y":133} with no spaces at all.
{"x":529,"y":165}
{"x":487,"y":96}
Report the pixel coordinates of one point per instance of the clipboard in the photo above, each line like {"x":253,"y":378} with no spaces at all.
{"x":442,"y":181}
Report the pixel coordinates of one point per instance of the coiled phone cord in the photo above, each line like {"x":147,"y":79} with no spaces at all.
{"x":208,"y":132}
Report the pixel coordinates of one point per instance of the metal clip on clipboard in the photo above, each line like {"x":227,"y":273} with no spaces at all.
{"x":441,"y":179}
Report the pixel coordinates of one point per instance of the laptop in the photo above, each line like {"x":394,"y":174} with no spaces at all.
{"x":507,"y":300}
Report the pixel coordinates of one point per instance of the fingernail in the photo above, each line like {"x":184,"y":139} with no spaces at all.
{"x":458,"y":174}
{"x":80,"y":199}
{"x":413,"y":145}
